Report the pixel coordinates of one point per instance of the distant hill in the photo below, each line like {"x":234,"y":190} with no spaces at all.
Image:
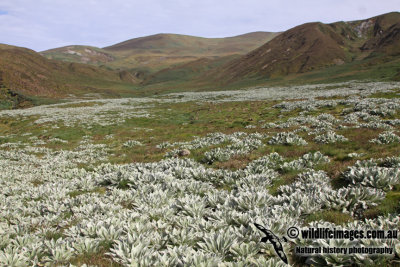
{"x":152,"y":53}
{"x":27,"y":73}
{"x":185,"y":45}
{"x":314,"y":46}
{"x":79,"y":54}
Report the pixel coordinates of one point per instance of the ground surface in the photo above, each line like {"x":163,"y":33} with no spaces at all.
{"x":108,"y":182}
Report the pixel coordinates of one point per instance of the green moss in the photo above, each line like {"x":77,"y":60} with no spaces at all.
{"x":96,"y":259}
{"x":123,"y":184}
{"x":285,"y":179}
{"x":335,"y":217}
{"x":98,"y":190}
{"x":37,"y":182}
{"x":389,"y":95}
{"x":53,"y":235}
{"x":390,"y":205}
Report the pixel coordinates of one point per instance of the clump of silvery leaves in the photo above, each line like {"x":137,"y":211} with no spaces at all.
{"x":287,"y":138}
{"x":132,"y":143}
{"x":367,"y":174}
{"x":386,"y":138}
{"x":308,"y":160}
{"x":329,"y":138}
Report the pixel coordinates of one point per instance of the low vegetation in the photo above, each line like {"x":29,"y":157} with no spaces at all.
{"x":179,"y":180}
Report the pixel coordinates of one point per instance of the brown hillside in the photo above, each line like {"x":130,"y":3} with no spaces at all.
{"x":314,"y":46}
{"x":385,"y":35}
{"x":184,"y":45}
{"x":27,"y":72}
{"x":303,"y":48}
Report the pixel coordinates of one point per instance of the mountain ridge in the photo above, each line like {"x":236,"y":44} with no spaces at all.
{"x":313,"y":46}
{"x":161,"y":63}
{"x":152,"y":53}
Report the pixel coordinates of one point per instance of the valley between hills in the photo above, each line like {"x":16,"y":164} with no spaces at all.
{"x":164,"y":63}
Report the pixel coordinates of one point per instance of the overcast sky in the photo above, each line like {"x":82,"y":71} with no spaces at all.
{"x":44,"y":24}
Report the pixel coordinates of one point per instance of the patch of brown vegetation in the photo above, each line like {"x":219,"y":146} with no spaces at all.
{"x":336,"y":168}
{"x":98,"y":259}
{"x":293,"y":152}
{"x":234,"y":163}
{"x":361,"y":136}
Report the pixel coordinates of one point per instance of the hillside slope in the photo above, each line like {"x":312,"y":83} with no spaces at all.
{"x":385,"y":35}
{"x":313,"y":46}
{"x":26,"y":72}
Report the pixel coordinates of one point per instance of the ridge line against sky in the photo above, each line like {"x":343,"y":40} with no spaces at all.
{"x":46,"y":24}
